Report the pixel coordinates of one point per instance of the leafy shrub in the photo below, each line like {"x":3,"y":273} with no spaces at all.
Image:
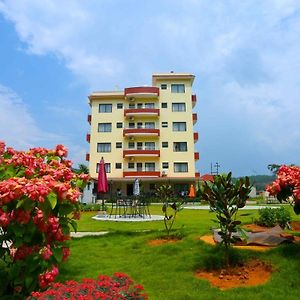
{"x":271,"y":217}
{"x":119,"y":286}
{"x":38,"y":204}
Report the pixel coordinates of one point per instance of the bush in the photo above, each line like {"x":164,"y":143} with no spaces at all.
{"x":271,"y":217}
{"x":38,"y":204}
{"x":119,"y":286}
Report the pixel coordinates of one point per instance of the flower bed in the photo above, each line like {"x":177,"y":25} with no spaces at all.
{"x":119,"y":286}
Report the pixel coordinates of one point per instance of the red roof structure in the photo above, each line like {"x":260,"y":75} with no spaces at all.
{"x":207,"y":177}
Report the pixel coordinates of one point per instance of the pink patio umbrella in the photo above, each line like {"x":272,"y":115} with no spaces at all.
{"x":102,"y":179}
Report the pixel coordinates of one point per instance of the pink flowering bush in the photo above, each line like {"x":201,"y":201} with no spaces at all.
{"x":287,"y":185}
{"x":38,"y":204}
{"x":117,"y":287}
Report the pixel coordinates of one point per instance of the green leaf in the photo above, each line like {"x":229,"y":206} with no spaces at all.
{"x":65,"y":209}
{"x":52,"y":198}
{"x":58,"y":254}
{"x":20,"y":203}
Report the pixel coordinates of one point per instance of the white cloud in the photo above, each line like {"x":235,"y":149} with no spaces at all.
{"x":17,"y":126}
{"x":19,"y":129}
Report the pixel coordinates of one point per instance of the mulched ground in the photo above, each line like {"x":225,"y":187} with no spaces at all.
{"x":253,"y":272}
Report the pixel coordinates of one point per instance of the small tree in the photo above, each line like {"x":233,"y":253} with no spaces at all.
{"x":164,"y":192}
{"x":287,"y":186}
{"x":225,"y":198}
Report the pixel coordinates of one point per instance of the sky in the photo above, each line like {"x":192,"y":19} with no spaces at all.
{"x":244,"y":54}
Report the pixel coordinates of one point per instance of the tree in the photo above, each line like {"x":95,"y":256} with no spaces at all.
{"x":287,"y":186}
{"x":165,"y":192}
{"x":225,"y":198}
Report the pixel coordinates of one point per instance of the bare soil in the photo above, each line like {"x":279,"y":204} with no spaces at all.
{"x":253,"y":272}
{"x":161,"y":241}
{"x":295,"y":225}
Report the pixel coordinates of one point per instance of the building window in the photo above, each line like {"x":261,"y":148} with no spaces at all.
{"x":165,"y":165}
{"x":180,"y":167}
{"x":104,"y":147}
{"x":139,"y":145}
{"x":165,"y":144}
{"x":131,"y":165}
{"x":131,"y":145}
{"x":149,"y":105}
{"x":150,"y":125}
{"x":180,"y":146}
{"x":177,"y":88}
{"x":164,"y":105}
{"x":178,"y":107}
{"x":139,"y":105}
{"x":131,"y":106}
{"x":104,"y":127}
{"x":179,"y":126}
{"x":149,"y":166}
{"x":139,"y":125}
{"x":149,"y":145}
{"x":131,"y":125}
{"x":119,"y":125}
{"x":118,"y":165}
{"x":164,"y":124}
{"x":107,"y":167}
{"x":163,"y":86}
{"x":119,"y":145}
{"x":119,"y":105}
{"x":105,"y":108}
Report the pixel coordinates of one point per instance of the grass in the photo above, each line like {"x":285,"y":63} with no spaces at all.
{"x":166,"y":271}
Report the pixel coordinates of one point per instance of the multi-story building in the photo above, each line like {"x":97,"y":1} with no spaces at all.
{"x":145,"y":132}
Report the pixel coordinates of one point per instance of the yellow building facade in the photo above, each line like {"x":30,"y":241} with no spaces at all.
{"x":147,"y":133}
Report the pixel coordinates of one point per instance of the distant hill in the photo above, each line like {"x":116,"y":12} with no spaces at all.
{"x":260,"y":181}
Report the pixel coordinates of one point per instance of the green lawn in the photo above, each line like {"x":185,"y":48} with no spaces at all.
{"x":166,"y":271}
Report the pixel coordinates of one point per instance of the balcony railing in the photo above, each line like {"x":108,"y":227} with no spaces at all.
{"x":141,"y":132}
{"x":88,"y":137}
{"x":141,"y":153}
{"x":134,"y":173}
{"x":195,"y":118}
{"x":141,"y":92}
{"x":194,"y":100}
{"x":87,"y":157}
{"x":196,"y":155}
{"x":147,"y":112}
{"x":196,"y":136}
{"x":89,"y":119}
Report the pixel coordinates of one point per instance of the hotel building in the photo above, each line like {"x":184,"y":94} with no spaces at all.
{"x":145,"y":132}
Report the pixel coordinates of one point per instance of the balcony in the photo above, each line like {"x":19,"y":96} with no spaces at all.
{"x":194,"y":100}
{"x":141,"y":153}
{"x":141,"y":112}
{"x":88,"y":137}
{"x":89,"y":119}
{"x":141,"y":174}
{"x":141,"y":92}
{"x":131,"y":132}
{"x":195,"y":118}
{"x":196,"y":155}
{"x":196,"y":136}
{"x":87,"y":157}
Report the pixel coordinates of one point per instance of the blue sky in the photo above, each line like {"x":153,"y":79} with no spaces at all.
{"x":245,"y":55}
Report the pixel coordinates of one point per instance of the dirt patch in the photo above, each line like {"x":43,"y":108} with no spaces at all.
{"x":295,"y":225}
{"x":253,"y":272}
{"x":161,"y":241}
{"x":210,"y":240}
{"x":255,"y":227}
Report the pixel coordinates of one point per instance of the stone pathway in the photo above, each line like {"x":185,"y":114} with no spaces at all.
{"x":247,"y":207}
{"x":122,"y":218}
{"x":87,"y":233}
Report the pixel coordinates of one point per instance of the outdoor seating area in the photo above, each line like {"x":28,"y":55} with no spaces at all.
{"x":129,"y":208}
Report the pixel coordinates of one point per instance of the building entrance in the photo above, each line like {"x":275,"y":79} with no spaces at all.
{"x":129,"y":189}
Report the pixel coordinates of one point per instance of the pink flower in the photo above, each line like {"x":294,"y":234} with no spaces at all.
{"x":61,"y":150}
{"x":46,"y":252}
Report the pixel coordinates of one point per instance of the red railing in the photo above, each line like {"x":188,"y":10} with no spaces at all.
{"x":89,"y":119}
{"x":151,"y":90}
{"x":141,"y":131}
{"x":141,"y":111}
{"x":88,"y":137}
{"x":136,"y":152}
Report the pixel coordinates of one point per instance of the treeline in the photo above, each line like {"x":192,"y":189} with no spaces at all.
{"x":261,"y":181}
